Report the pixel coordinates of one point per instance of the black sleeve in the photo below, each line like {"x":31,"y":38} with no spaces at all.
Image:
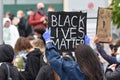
{"x":113,"y":75}
{"x":22,"y":24}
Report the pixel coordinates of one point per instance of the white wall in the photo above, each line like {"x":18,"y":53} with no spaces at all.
{"x":8,"y":1}
{"x":77,"y":5}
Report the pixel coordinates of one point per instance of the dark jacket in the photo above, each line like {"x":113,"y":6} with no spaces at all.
{"x":29,"y":28}
{"x":32,"y":65}
{"x":109,"y":59}
{"x":45,"y":72}
{"x":113,"y":75}
{"x":67,"y":70}
{"x":6,"y":58}
{"x":35,"y":20}
{"x":14,"y":74}
{"x":22,"y":27}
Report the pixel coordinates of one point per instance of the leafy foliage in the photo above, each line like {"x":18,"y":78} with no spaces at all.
{"x":116,"y":12}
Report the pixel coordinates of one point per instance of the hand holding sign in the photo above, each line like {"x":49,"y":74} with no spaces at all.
{"x":46,"y":35}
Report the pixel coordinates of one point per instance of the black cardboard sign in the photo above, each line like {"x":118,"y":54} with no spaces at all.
{"x":67,"y":29}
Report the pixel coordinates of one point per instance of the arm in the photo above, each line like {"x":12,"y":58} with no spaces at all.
{"x":33,"y":21}
{"x":54,"y":58}
{"x":110,"y":59}
{"x":65,"y":69}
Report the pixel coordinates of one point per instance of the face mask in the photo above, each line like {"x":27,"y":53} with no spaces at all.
{"x":41,"y":11}
{"x":19,"y":16}
{"x":35,"y":36}
{"x":93,"y":47}
{"x":50,"y":10}
{"x":28,"y":13}
{"x":118,"y":58}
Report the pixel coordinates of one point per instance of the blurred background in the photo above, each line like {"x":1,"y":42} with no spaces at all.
{"x":91,"y":6}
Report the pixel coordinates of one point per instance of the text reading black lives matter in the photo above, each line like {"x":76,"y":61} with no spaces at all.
{"x":67,"y":29}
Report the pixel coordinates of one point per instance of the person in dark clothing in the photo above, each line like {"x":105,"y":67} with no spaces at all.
{"x":113,"y":69}
{"x":113,"y":72}
{"x":32,"y":63}
{"x":45,"y":72}
{"x":22,"y":23}
{"x":108,"y":58}
{"x":38,"y":33}
{"x":29,"y":28}
{"x":7,"y":69}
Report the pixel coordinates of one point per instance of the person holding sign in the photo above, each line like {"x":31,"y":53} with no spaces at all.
{"x":110,"y":59}
{"x":113,"y":70}
{"x":74,"y":70}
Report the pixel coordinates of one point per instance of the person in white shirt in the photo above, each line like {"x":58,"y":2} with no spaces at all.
{"x":10,"y":32}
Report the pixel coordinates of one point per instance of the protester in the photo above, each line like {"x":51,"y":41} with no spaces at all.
{"x":108,"y":58}
{"x":87,"y":66}
{"x":45,"y":72}
{"x":10,"y":32}
{"x":7,"y":70}
{"x":38,"y":43}
{"x":33,"y":61}
{"x":21,"y":53}
{"x":38,"y":19}
{"x":22,"y":23}
{"x":38,"y":33}
{"x":29,"y":28}
{"x":113,"y":72}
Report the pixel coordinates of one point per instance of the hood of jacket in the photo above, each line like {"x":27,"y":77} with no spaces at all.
{"x":35,"y":52}
{"x":5,"y":20}
{"x":6,"y":53}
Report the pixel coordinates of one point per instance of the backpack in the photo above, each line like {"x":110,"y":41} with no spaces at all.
{"x":8,"y":69}
{"x":11,"y":71}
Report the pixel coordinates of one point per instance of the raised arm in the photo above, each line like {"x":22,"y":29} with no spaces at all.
{"x":109,"y":59}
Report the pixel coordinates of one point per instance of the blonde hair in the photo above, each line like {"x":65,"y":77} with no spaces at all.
{"x":38,"y":44}
{"x":21,"y":12}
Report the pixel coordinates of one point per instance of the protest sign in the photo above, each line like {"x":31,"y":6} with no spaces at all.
{"x":104,"y":25}
{"x":67,"y":29}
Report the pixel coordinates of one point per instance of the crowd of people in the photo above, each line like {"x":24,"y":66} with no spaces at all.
{"x":28,"y":53}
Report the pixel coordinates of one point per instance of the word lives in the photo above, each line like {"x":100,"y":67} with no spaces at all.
{"x":67,"y":29}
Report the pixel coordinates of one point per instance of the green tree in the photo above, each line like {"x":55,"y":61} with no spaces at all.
{"x":116,"y":12}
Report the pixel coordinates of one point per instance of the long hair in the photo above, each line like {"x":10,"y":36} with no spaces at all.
{"x":88,"y":62}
